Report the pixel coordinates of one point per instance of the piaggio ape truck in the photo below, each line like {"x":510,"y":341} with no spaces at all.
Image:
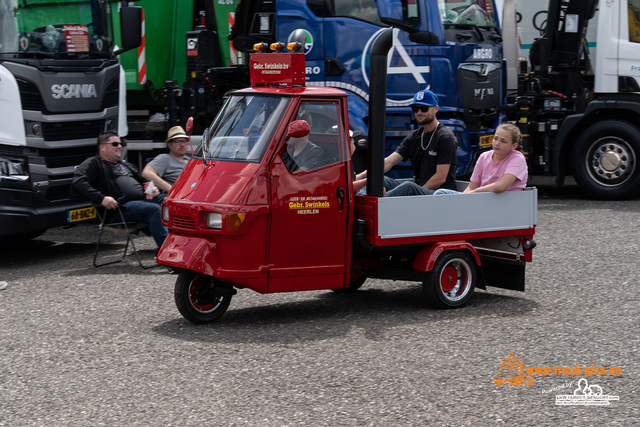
{"x":239,"y":217}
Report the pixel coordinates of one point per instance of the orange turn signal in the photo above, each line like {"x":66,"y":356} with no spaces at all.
{"x":233,"y":221}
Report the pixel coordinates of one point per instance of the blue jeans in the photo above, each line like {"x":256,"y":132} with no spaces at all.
{"x":147,"y":211}
{"x":446,"y":191}
{"x":388,"y":184}
{"x":408,"y":189}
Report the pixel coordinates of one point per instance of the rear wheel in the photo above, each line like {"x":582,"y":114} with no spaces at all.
{"x":201,"y":298}
{"x":605,"y":160}
{"x":451,"y":282}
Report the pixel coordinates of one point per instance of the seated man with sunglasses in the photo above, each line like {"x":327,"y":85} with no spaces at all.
{"x":107,"y":180}
{"x":431,"y":149}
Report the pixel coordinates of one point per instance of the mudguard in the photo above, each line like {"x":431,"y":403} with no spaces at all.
{"x":429,"y":253}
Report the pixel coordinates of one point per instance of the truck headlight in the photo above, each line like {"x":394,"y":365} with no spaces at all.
{"x":228,"y":221}
{"x":214,"y":220}
{"x":13,"y":169}
{"x":165,"y":213}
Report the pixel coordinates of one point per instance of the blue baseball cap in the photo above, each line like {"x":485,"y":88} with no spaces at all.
{"x":425,"y":97}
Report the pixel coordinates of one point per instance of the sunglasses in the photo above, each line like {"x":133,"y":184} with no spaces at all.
{"x":416,"y":108}
{"x":115,"y":144}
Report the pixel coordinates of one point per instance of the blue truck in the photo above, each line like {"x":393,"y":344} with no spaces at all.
{"x":452,"y":47}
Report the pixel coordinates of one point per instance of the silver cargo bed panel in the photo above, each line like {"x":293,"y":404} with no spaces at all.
{"x":413,"y":216}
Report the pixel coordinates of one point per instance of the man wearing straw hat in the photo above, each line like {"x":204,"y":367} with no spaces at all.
{"x":165,"y":168}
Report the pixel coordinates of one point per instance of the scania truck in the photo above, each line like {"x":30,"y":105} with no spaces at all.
{"x":60,"y":85}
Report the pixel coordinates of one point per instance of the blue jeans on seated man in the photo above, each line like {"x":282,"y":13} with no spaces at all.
{"x":446,"y":191}
{"x":408,"y":188}
{"x":388,"y":183}
{"x":147,"y":211}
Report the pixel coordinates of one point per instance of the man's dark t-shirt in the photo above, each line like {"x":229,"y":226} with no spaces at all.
{"x":310,"y":157}
{"x":426,"y":152}
{"x":127,"y":183}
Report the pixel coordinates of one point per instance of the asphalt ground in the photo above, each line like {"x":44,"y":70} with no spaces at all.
{"x":85,"y":346}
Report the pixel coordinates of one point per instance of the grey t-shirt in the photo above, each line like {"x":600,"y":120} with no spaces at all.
{"x":168,"y":167}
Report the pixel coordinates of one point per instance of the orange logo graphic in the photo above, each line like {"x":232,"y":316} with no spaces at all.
{"x":511,"y":371}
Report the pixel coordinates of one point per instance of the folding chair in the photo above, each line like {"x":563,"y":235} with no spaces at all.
{"x":117,"y":223}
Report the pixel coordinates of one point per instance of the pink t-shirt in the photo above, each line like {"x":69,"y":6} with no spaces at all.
{"x":486,"y":172}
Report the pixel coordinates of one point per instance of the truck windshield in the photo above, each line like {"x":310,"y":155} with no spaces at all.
{"x":55,"y":29}
{"x":243,"y":128}
{"x":475,"y":12}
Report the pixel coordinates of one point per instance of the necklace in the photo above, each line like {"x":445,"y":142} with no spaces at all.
{"x":431,"y":138}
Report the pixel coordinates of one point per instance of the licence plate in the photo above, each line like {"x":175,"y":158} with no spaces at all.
{"x":81,"y":214}
{"x":486,"y":140}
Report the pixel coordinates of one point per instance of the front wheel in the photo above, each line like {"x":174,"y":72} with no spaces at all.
{"x":452,"y":280}
{"x":201,"y":298}
{"x":605,"y":160}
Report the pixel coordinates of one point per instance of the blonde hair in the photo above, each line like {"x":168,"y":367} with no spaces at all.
{"x":516,"y":136}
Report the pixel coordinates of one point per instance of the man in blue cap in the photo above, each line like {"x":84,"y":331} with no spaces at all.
{"x":431,"y":149}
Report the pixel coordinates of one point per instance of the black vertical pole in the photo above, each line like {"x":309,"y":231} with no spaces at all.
{"x":377,"y":112}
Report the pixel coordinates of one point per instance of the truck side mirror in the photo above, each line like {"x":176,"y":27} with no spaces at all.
{"x":130,"y":28}
{"x":391,"y":13}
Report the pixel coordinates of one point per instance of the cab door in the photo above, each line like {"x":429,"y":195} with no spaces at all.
{"x":308,"y":233}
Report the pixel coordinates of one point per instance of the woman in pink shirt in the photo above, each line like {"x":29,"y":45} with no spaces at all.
{"x":504,"y":168}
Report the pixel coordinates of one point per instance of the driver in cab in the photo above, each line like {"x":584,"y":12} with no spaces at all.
{"x":301,"y":155}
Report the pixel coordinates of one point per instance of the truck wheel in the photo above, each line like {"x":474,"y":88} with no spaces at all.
{"x":353,"y":286}
{"x":605,"y":160}
{"x":451,"y":282}
{"x":196,"y":297}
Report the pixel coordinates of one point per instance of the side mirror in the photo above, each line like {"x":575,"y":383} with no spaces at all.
{"x":130,"y":28}
{"x":391,"y":13}
{"x":298,"y":129}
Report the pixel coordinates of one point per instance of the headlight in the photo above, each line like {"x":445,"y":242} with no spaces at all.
{"x":214,"y":220}
{"x":228,"y":221}
{"x":13,"y":169}
{"x":165,"y":213}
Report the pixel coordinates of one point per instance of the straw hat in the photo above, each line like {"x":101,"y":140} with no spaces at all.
{"x":176,"y":132}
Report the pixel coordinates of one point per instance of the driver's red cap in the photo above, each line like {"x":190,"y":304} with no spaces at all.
{"x":298,"y":129}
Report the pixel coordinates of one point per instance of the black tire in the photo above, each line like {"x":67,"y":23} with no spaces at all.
{"x":605,"y":160}
{"x":195,"y":299}
{"x":353,"y":286}
{"x":451,"y":282}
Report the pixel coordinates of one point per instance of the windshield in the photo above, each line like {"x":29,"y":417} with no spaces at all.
{"x":55,"y":28}
{"x":476,"y":12}
{"x":243,"y":129}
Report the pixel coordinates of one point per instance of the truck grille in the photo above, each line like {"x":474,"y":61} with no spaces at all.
{"x":72,"y":130}
{"x":60,"y":192}
{"x":184,"y":222}
{"x":32,"y":99}
{"x":30,"y":96}
{"x":111,"y":94}
{"x":62,"y":157}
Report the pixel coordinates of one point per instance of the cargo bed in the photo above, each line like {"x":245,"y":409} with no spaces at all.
{"x":456,"y":216}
